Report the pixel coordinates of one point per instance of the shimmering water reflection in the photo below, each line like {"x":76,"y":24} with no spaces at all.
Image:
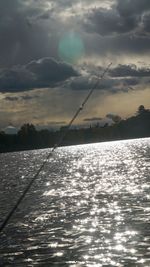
{"x":89,"y":207}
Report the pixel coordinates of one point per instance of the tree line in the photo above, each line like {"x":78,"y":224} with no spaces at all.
{"x":28,"y":137}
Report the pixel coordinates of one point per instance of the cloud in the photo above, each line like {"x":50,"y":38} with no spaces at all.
{"x":16,"y":79}
{"x":93,"y":119}
{"x":109,"y":22}
{"x":42,"y":73}
{"x":120,"y":30}
{"x":111,"y":30}
{"x":50,"y":71}
{"x":129,"y":70}
{"x":113,"y":84}
{"x":32,"y":29}
{"x":47,"y":72}
{"x":11,"y":98}
{"x":28,"y":97}
{"x":130,"y":7}
{"x":87,"y":83}
{"x":80,"y":83}
{"x":25,"y":32}
{"x":146,"y":22}
{"x":53,"y":123}
{"x":23,"y":97}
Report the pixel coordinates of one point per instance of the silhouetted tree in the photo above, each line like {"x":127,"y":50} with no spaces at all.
{"x":27,"y":134}
{"x":141,"y":109}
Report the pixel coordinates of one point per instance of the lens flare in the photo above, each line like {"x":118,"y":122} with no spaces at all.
{"x":71,"y":47}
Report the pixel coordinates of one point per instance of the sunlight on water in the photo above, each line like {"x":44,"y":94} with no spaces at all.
{"x":89,"y":207}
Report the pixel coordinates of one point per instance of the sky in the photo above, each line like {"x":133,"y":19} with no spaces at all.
{"x":52,"y":53}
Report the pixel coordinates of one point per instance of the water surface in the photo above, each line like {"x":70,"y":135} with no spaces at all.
{"x":90,"y":206}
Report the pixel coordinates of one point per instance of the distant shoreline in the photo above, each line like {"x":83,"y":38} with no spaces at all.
{"x":28,"y":138}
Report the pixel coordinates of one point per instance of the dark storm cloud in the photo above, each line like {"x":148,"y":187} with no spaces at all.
{"x":109,"y":22}
{"x":124,"y":27}
{"x":50,"y":71}
{"x":108,"y":85}
{"x":31,"y":29}
{"x":80,"y":83}
{"x":130,"y":7}
{"x":42,"y":73}
{"x":146,"y":22}
{"x":138,"y":9}
{"x":125,"y":17}
{"x":46,"y":15}
{"x":122,"y":78}
{"x":131,"y":81}
{"x":129,"y":70}
{"x":24,"y":35}
{"x":16,"y":79}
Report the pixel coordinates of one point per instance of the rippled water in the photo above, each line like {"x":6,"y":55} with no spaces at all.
{"x":89,"y":207}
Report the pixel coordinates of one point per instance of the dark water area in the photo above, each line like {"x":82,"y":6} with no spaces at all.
{"x":90,"y":206}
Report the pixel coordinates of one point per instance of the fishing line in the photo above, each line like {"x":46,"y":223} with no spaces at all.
{"x":10,"y":214}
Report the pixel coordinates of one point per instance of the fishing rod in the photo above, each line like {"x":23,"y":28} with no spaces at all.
{"x":81,"y":107}
{"x":10,"y":214}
